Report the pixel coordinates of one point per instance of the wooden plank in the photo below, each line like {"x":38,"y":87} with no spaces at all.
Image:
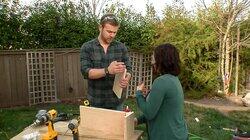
{"x":59,"y":76}
{"x":7,"y":90}
{"x":137,"y":135}
{"x":60,"y":127}
{"x":23,"y":80}
{"x":71,"y":78}
{"x":3,"y":82}
{"x":64,"y":133}
{"x":14,"y":80}
{"x":75,"y":75}
{"x":116,"y":86}
{"x":129,"y":126}
{"x":81,"y":83}
{"x":103,"y":123}
{"x":66,"y":76}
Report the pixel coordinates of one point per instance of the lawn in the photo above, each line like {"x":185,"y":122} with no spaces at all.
{"x":210,"y":125}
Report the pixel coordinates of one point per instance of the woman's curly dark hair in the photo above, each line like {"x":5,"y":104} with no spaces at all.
{"x":167,"y":59}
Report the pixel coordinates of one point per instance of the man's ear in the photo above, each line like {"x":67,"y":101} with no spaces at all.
{"x":100,"y":28}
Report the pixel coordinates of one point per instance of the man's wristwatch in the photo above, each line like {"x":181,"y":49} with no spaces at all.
{"x":106,"y":70}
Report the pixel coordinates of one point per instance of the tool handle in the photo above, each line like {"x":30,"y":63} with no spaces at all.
{"x":76,"y":136}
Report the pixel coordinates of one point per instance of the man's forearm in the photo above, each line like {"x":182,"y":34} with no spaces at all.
{"x":96,"y":73}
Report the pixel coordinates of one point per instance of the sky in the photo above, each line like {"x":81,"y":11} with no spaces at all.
{"x":139,"y":5}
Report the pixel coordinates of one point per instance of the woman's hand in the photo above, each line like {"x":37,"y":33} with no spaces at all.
{"x":140,"y":86}
{"x":143,"y":89}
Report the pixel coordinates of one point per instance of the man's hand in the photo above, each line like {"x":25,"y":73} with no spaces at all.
{"x":116,"y":67}
{"x":125,"y":81}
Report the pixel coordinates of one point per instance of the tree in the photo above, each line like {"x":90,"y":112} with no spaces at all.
{"x":196,"y":43}
{"x":59,"y":25}
{"x":95,"y":7}
{"x":11,"y":31}
{"x":244,"y":71}
{"x":225,"y":16}
{"x":136,"y":31}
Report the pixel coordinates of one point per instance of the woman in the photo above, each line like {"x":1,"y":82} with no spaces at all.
{"x":163,"y":107}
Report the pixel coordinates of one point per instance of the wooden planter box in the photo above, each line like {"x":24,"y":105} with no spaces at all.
{"x":107,"y":124}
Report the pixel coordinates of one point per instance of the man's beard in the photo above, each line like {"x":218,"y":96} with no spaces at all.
{"x":109,"y":40}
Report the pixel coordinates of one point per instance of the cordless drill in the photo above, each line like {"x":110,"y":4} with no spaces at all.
{"x":73,"y":126}
{"x":74,"y":123}
{"x":47,"y":118}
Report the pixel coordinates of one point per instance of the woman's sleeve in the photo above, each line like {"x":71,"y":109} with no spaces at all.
{"x":151,"y":106}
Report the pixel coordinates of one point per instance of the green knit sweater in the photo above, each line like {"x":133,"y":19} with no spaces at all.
{"x":163,"y":109}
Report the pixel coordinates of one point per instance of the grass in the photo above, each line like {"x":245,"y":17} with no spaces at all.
{"x":212,"y":122}
{"x":210,"y":125}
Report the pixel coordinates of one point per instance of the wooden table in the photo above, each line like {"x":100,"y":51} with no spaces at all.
{"x":65,"y":134}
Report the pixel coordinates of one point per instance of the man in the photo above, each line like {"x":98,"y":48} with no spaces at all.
{"x":102,"y":58}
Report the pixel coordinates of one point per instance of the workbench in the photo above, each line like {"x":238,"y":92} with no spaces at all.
{"x":65,"y":134}
{"x":95,"y":124}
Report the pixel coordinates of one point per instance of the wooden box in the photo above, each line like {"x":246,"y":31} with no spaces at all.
{"x":106,"y":124}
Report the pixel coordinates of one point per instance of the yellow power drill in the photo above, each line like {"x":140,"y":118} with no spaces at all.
{"x":74,"y":123}
{"x":73,"y":126}
{"x":47,"y":119}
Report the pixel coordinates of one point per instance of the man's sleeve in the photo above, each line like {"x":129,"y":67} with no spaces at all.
{"x":126,"y":60}
{"x":85,"y":61}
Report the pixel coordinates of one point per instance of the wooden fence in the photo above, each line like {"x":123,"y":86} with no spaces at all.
{"x":13,"y":79}
{"x":70,"y":85}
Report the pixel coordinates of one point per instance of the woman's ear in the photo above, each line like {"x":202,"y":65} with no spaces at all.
{"x":155,"y":70}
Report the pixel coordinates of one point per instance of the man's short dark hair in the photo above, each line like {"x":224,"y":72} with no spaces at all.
{"x":167,"y":59}
{"x":109,"y":19}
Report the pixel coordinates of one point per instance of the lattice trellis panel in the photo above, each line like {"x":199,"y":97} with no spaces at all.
{"x":41,"y":77}
{"x":141,"y":71}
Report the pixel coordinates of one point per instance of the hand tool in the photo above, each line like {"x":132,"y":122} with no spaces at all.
{"x":73,"y":126}
{"x":44,"y":117}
